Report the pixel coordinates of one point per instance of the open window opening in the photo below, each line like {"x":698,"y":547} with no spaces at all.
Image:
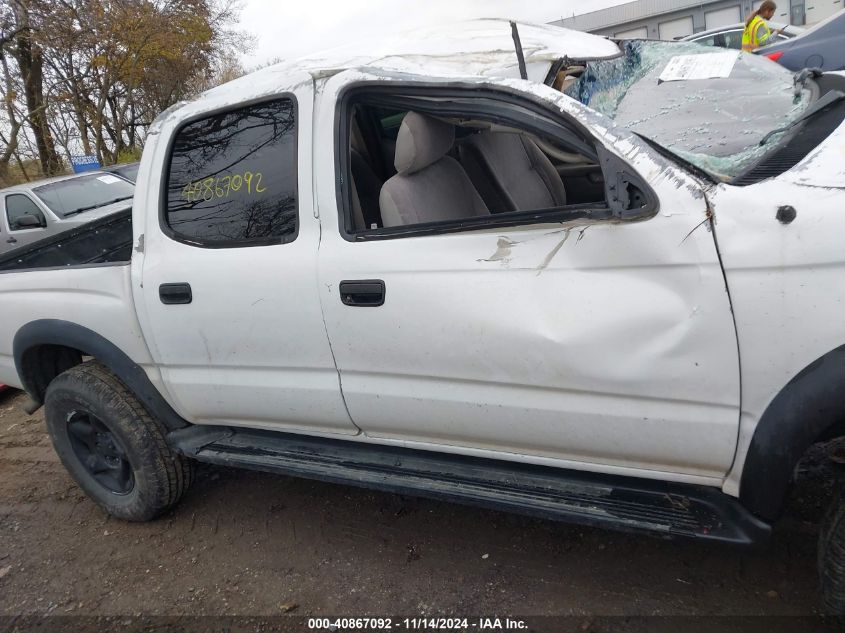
{"x":429,"y":162}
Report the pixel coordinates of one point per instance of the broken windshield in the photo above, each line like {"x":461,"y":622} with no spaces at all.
{"x":711,"y":109}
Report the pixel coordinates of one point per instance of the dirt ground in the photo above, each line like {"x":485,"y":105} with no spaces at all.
{"x":245,"y":543}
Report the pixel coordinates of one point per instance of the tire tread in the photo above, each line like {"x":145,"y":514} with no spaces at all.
{"x":832,"y":558}
{"x":177,"y":471}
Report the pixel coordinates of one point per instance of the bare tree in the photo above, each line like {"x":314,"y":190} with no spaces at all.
{"x":91,"y":75}
{"x":30,"y":61}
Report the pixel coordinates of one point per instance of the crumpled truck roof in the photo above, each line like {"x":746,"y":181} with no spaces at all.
{"x":482,"y":48}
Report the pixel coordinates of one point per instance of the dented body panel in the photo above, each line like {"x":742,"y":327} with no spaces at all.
{"x":475,"y":48}
{"x":594,"y":345}
{"x":601,"y":344}
{"x":787,"y":281}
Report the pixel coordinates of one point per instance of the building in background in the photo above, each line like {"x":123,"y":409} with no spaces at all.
{"x":673,"y":19}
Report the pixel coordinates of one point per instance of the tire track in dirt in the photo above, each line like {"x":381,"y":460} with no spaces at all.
{"x":246,"y":543}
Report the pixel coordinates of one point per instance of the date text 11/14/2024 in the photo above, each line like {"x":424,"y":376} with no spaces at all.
{"x":417,"y":624}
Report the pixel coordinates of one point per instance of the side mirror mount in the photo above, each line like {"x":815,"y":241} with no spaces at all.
{"x":30,"y":221}
{"x":628,"y":197}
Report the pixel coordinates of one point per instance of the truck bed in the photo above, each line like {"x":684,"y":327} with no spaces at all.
{"x":107,"y":240}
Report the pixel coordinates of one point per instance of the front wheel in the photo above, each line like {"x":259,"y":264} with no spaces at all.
{"x":111,"y":446}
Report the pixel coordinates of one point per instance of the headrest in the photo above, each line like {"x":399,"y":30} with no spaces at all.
{"x":421,"y":142}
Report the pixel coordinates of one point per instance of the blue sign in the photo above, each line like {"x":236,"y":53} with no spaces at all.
{"x":84,"y":163}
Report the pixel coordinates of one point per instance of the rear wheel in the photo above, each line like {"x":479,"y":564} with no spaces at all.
{"x":832,"y":557}
{"x":111,"y":446}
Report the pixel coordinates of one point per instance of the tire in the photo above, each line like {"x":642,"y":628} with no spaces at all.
{"x":832,"y":558}
{"x":111,"y":446}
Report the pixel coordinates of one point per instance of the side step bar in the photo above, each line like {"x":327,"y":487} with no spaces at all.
{"x":621,"y":503}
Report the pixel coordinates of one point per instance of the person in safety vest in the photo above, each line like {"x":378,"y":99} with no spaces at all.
{"x":757,"y":32}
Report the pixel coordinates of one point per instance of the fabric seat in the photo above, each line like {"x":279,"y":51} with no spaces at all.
{"x":428,"y":186}
{"x":510,"y":172}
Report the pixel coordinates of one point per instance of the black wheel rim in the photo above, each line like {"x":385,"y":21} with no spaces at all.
{"x":100,"y":452}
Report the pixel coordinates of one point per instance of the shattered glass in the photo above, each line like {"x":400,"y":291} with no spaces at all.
{"x":716,"y":124}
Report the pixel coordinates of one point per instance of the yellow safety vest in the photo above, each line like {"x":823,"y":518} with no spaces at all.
{"x":750,"y":41}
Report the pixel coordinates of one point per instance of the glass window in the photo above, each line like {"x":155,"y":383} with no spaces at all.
{"x":83,"y":193}
{"x":130,"y":171}
{"x":710,"y":40}
{"x":232,"y":177}
{"x":733,"y":39}
{"x":725,"y":39}
{"x":19,"y":205}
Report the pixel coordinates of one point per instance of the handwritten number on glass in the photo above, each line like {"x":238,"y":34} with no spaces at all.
{"x":208,"y":189}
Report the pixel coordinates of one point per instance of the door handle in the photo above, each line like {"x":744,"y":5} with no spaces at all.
{"x":366,"y":293}
{"x":11,"y":240}
{"x":175,"y":294}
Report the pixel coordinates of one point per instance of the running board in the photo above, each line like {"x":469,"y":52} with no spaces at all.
{"x":620,"y":503}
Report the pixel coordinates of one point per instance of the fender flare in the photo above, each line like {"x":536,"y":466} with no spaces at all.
{"x":66,"y":334}
{"x":810,"y":408}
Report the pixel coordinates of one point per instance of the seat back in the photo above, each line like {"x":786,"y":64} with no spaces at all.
{"x":510,"y":172}
{"x":428,"y":186}
{"x":367,"y":186}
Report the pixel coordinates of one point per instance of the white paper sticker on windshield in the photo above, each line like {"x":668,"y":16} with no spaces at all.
{"x":704,"y":66}
{"x":109,"y":180}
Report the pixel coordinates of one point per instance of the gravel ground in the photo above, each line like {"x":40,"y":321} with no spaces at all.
{"x":252,"y":544}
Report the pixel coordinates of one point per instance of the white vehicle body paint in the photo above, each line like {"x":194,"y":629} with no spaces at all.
{"x":607,"y":347}
{"x":251,"y":348}
{"x":598,"y":343}
{"x":98,"y":298}
{"x":479,"y":48}
{"x":787,"y":281}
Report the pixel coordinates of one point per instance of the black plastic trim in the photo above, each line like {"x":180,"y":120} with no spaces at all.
{"x":553,"y":71}
{"x":520,"y":56}
{"x":801,"y":139}
{"x":175,"y":293}
{"x":810,"y":408}
{"x":617,"y":190}
{"x":47,"y":332}
{"x":362,"y":293}
{"x":20,"y":260}
{"x":596,"y":212}
{"x":659,"y":508}
{"x":165,"y":175}
{"x":496,"y":104}
{"x":38,"y":269}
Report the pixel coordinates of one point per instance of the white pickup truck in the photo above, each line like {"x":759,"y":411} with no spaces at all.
{"x":504,"y":264}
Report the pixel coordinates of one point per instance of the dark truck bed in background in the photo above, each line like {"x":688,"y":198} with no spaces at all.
{"x":104,"y":241}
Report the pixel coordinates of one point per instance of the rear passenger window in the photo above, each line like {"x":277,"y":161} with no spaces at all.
{"x":232,"y":179}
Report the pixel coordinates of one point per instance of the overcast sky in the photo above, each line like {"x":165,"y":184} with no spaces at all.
{"x":291,"y":28}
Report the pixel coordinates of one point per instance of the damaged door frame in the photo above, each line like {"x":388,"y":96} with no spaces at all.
{"x":499,"y":104}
